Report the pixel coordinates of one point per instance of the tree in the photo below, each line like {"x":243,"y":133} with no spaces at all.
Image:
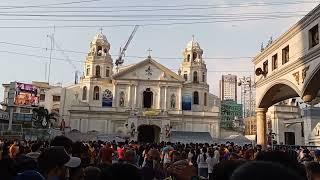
{"x":42,"y":118}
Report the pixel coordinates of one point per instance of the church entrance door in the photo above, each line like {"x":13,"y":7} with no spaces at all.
{"x":147,"y":98}
{"x":148,"y":134}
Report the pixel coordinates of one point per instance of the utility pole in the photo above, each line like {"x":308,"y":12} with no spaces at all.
{"x":246,"y":95}
{"x":51,"y":48}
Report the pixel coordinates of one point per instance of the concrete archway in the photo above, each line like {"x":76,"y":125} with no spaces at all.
{"x":148,"y":133}
{"x":278,"y":91}
{"x":312,"y":88}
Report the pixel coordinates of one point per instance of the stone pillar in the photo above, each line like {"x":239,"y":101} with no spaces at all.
{"x":165,"y":98}
{"x":179,"y":103}
{"x":129,"y":96}
{"x":135,"y":105}
{"x":262,"y":127}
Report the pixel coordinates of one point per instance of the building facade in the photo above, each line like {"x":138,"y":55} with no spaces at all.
{"x":228,"y":87}
{"x":142,"y":100}
{"x":231,"y":113}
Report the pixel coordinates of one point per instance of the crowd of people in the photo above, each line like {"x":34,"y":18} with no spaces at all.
{"x":62,"y":159}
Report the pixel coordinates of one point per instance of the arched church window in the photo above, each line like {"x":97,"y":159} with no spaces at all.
{"x":98,"y":71}
{"x":185,"y":75}
{"x":188,"y":58}
{"x":195,"y":97}
{"x":203,"y":77}
{"x":96,"y":93}
{"x":205,"y":99}
{"x":121,"y":101}
{"x":108,"y":72}
{"x":194,"y":56}
{"x":99,"y":51}
{"x":173,"y":101}
{"x":88,"y":71}
{"x":195,"y":76}
{"x":84,"y":93}
{"x":105,"y":50}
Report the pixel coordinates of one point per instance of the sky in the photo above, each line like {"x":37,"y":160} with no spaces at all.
{"x":229,"y":32}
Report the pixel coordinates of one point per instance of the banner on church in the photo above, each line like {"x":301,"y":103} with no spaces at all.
{"x":186,"y":102}
{"x":107,"y":98}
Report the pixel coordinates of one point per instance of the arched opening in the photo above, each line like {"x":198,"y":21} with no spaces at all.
{"x":148,"y":133}
{"x":108,"y":72}
{"x":194,"y":56}
{"x":84,"y":93}
{"x":195,"y":77}
{"x":195,"y":97}
{"x":99,"y":51}
{"x":312,"y":87}
{"x":203,"y":77}
{"x":277,"y":93}
{"x":147,"y":98}
{"x":96,"y":93}
{"x":188,"y":58}
{"x":98,"y":71}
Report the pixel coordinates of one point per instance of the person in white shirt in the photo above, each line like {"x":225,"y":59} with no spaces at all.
{"x":202,"y":163}
{"x":216,"y":154}
{"x":211,"y":161}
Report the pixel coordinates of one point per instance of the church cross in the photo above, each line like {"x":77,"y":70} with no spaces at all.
{"x":101,"y":30}
{"x":149,"y":52}
{"x":192,"y":37}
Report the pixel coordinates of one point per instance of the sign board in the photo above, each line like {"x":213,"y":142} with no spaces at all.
{"x":26,"y":95}
{"x":107,"y":98}
{"x":186,"y":102}
{"x":4,"y":115}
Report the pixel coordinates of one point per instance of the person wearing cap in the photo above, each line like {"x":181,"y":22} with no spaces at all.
{"x":55,"y":161}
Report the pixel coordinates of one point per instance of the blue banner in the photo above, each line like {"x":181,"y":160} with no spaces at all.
{"x":107,"y":98}
{"x":186,"y":102}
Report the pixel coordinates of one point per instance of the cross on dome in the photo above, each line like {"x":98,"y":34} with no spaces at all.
{"x":149,"y":52}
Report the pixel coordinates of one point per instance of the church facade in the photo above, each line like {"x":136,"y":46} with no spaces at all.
{"x":145,"y":101}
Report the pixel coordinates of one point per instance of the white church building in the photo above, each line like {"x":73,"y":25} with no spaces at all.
{"x":145,"y":100}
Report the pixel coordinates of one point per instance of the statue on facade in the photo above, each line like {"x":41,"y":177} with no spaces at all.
{"x":168,"y":130}
{"x":121,"y":102}
{"x":173,"y":101}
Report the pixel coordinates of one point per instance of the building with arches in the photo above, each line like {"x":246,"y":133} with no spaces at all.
{"x":288,"y":67}
{"x":141,"y":99}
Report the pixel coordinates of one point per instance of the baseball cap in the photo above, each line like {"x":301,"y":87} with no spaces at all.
{"x":57,"y":156}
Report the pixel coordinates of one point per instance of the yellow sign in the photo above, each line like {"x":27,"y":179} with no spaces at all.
{"x":151,"y":113}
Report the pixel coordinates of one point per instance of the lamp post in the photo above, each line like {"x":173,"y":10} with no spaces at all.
{"x":246,"y":86}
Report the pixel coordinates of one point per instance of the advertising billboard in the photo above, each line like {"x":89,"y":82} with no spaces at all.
{"x":26,"y":95}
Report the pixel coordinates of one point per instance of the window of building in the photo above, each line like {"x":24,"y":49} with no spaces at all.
{"x":96,"y":93}
{"x":185,"y":76}
{"x":84,"y":93}
{"x":195,"y":97}
{"x":203,"y":77}
{"x":42,"y":97}
{"x":313,"y":36}
{"x":188,"y":58}
{"x":108,"y":72}
{"x":194,"y":56}
{"x":285,"y":55}
{"x":274,"y":61}
{"x":55,"y":98}
{"x":88,"y":71}
{"x":205,"y":99}
{"x":195,"y":77}
{"x":265,"y":67}
{"x":98,"y":71}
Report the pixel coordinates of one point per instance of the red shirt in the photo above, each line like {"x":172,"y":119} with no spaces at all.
{"x":106,"y":154}
{"x":120,"y":153}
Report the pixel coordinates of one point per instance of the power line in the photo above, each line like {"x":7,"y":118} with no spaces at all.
{"x":146,"y":24}
{"x":38,"y":47}
{"x":46,"y":5}
{"x":244,"y":4}
{"x":64,"y":60}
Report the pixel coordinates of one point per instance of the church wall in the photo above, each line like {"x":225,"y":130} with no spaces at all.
{"x":68,"y":97}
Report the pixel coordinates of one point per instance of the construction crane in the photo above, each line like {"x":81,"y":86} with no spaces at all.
{"x":120,"y":60}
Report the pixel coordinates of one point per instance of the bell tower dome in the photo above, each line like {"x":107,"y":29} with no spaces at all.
{"x":98,"y":62}
{"x":193,"y":68}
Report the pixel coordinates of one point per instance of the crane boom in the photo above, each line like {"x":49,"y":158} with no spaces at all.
{"x":120,"y":61}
